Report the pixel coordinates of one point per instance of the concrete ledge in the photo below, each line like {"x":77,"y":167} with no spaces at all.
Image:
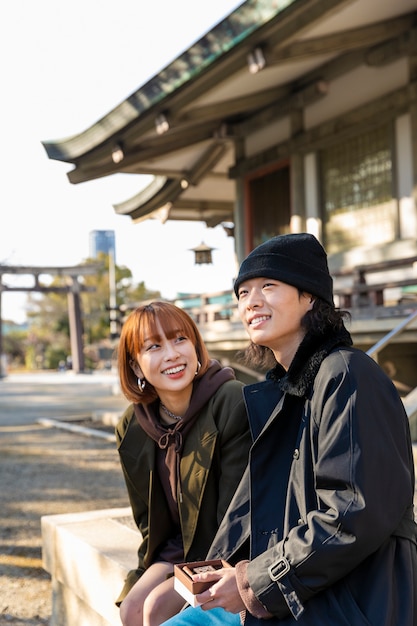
{"x":88,"y":556}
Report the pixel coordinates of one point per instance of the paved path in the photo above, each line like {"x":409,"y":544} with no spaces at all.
{"x":25,"y":398}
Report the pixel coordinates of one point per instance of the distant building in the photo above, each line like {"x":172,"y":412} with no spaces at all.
{"x":102,"y":241}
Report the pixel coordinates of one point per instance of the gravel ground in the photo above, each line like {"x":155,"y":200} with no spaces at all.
{"x":45,"y":471}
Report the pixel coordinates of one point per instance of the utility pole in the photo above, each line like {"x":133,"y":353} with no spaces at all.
{"x":113,"y":296}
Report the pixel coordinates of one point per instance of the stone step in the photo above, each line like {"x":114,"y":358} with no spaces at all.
{"x":88,"y":556}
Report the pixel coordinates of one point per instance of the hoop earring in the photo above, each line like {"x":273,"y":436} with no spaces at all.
{"x":198,"y":368}
{"x":141,"y":384}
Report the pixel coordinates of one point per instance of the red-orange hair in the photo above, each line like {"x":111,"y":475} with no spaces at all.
{"x":141,"y":324}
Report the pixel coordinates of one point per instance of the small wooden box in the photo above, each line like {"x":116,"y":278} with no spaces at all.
{"x":184,"y":584}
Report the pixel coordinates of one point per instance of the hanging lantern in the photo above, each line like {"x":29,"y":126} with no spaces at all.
{"x":202,"y":254}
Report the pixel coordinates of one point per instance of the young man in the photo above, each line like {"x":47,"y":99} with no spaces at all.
{"x":321,"y":530}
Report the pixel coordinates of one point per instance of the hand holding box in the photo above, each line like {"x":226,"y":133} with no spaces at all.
{"x":184,"y":584}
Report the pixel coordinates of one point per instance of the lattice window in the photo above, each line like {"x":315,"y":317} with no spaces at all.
{"x":356,"y":180}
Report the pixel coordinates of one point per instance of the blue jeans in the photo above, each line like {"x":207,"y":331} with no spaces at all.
{"x":197,"y":617}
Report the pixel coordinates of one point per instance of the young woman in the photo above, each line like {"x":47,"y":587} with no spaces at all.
{"x":183,"y":446}
{"x":327,"y":502}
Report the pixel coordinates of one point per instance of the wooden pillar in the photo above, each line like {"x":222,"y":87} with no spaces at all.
{"x":413,"y":118}
{"x":298,"y":212}
{"x":241,"y":227}
{"x":75,"y":325}
{"x":412,"y":61}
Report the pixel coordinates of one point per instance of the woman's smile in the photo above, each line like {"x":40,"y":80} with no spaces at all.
{"x":174,"y":372}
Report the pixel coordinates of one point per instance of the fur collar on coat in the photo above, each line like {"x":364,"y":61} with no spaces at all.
{"x":307,"y":360}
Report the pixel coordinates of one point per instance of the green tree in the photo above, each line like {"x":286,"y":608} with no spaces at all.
{"x":14,"y":344}
{"x":48,"y":339}
{"x":96,"y":301}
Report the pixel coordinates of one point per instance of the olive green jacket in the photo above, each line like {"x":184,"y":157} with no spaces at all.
{"x":213,"y":459}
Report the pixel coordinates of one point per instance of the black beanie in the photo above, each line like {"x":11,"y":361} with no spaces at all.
{"x":297,"y":259}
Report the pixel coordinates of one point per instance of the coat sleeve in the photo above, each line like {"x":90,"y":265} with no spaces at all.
{"x":132,"y":447}
{"x":138,"y":503}
{"x":234,"y":442}
{"x":362,"y":477}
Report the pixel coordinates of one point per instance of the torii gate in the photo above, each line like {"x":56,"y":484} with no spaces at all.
{"x":73,"y":289}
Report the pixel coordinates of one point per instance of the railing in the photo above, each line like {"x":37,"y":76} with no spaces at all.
{"x":369,"y":285}
{"x":380,"y":345}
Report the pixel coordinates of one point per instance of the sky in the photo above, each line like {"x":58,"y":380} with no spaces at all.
{"x":64,"y":66}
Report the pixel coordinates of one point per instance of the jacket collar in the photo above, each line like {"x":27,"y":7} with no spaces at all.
{"x":307,"y":360}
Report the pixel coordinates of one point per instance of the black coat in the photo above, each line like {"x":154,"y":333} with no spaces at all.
{"x":331,"y":484}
